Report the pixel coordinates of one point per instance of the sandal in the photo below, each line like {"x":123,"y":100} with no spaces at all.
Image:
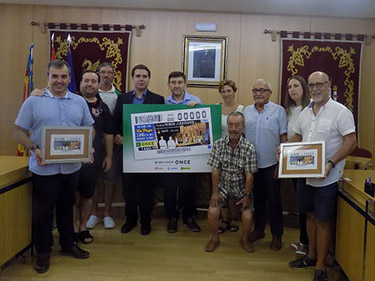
{"x":85,"y":237}
{"x":233,"y":227}
{"x":223,"y":227}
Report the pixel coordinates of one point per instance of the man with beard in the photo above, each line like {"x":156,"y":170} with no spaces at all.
{"x":233,"y":161}
{"x":90,"y":171}
{"x":108,"y":94}
{"x":331,"y":122}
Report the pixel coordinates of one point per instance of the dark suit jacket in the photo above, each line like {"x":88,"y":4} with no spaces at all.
{"x":127,"y":98}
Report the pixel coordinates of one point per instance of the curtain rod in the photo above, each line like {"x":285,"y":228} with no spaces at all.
{"x":274,"y":32}
{"x":44,"y":26}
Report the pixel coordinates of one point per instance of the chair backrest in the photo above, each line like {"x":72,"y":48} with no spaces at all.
{"x":361,"y":152}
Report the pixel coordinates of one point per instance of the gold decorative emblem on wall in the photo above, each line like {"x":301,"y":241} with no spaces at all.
{"x":111,"y":48}
{"x":342,"y":56}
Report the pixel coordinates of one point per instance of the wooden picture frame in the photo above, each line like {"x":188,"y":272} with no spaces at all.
{"x":66,"y":144}
{"x":302,"y":160}
{"x":205,"y":60}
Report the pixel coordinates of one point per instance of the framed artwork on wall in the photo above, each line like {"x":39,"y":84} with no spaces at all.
{"x":205,"y":60}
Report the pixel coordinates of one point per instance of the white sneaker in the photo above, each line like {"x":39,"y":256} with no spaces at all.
{"x":108,"y":223}
{"x":92,"y":222}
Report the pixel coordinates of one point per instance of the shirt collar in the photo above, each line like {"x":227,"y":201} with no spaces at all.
{"x":111,"y":91}
{"x":186,"y":98}
{"x":48,"y":93}
{"x":312,"y":103}
{"x":266,"y":105}
{"x":143,"y":95}
{"x":226,"y":140}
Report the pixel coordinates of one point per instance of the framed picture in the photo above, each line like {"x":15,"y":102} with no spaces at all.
{"x":66,"y":144}
{"x":205,"y":60}
{"x":302,"y":160}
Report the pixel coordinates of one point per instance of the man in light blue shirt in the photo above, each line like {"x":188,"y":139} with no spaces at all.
{"x":266,"y":127}
{"x":184,"y":181}
{"x":177,"y":86}
{"x":54,"y":185}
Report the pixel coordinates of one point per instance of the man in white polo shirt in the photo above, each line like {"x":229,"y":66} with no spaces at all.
{"x":329,"y":121}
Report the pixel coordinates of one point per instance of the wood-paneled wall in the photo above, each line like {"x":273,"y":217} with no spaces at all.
{"x":251,"y":53}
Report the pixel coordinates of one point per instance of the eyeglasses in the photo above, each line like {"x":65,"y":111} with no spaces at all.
{"x":319,"y":86}
{"x":261,"y":90}
{"x":106,"y":72}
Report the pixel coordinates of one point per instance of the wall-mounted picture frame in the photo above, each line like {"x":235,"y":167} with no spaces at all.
{"x":66,"y":144}
{"x":205,"y":60}
{"x":302,"y":160}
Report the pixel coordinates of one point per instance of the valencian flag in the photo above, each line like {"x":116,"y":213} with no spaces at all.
{"x":27,"y":88}
{"x":72,"y":85}
{"x":53,"y":52}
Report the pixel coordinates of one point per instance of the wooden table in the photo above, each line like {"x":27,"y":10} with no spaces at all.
{"x":15,"y":207}
{"x":355,"y":232}
{"x":355,"y":162}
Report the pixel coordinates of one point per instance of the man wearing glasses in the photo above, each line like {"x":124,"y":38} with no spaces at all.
{"x":266,"y":128}
{"x":108,"y":93}
{"x":329,"y":121}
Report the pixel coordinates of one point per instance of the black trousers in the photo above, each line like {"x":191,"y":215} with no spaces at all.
{"x":179,"y":191}
{"x":138,"y":191}
{"x":267,"y":189}
{"x":302,"y":219}
{"x":50,"y":192}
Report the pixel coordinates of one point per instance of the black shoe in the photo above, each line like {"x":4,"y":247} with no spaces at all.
{"x":320,"y":275}
{"x":145,"y":229}
{"x":172,"y":225}
{"x":127,"y":227}
{"x":75,"y":252}
{"x":191,"y":224}
{"x":305,"y":262}
{"x":256,"y":235}
{"x":42,"y":263}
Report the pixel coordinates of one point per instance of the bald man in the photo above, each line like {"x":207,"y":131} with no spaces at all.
{"x":323,"y":120}
{"x":266,"y":128}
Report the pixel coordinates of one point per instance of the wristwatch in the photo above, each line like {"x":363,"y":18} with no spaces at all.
{"x":333,"y":164}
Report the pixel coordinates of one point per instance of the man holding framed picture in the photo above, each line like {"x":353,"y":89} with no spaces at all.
{"x":329,"y":121}
{"x":54,"y":185}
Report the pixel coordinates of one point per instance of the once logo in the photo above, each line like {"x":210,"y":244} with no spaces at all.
{"x":183,"y":162}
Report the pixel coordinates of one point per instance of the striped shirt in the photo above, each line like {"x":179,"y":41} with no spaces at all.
{"x":233,"y":165}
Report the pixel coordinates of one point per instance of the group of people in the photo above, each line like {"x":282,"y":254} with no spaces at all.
{"x":245,"y":166}
{"x":244,"y":162}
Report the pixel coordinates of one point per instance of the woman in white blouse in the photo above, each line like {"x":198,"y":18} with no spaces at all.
{"x":295,"y":101}
{"x":227,"y":90}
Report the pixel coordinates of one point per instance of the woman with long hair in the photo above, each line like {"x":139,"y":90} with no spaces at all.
{"x":296,"y":100}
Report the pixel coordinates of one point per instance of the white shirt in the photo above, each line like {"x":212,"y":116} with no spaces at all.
{"x":171,"y":144}
{"x":224,"y":123}
{"x":109,"y":98}
{"x":292,"y":119}
{"x":163,"y":144}
{"x":332,"y":122}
